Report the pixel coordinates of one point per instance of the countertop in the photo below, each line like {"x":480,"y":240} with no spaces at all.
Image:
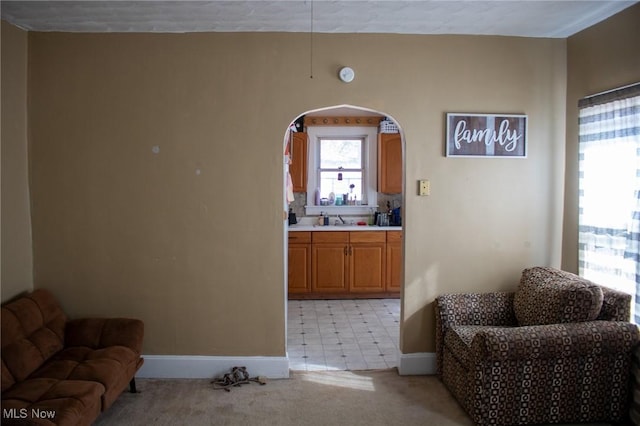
{"x":301,"y":227}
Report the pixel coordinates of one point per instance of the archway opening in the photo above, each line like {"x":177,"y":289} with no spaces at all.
{"x":344,"y":191}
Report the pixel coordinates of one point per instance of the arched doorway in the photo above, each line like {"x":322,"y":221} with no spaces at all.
{"x":339,"y":320}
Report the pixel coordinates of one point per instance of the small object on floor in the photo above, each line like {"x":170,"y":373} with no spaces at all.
{"x":238,"y":376}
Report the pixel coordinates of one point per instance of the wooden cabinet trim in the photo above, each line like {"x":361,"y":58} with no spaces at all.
{"x":366,"y":121}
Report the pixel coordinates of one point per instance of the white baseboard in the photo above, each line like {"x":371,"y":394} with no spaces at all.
{"x":417,"y":364}
{"x":209,"y":367}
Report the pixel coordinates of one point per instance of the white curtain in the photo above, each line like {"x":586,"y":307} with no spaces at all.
{"x":609,"y":191}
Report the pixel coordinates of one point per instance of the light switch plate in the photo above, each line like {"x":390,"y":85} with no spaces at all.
{"x":424,"y":187}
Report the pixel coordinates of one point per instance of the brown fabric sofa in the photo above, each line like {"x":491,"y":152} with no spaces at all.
{"x":558,"y":350}
{"x":69,"y":369}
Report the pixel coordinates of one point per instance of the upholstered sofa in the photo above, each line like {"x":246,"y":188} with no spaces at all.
{"x":557,"y":350}
{"x":61,"y":371}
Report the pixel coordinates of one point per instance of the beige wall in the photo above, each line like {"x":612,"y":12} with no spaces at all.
{"x":600,"y":58}
{"x":120,"y":230}
{"x":17,"y":261}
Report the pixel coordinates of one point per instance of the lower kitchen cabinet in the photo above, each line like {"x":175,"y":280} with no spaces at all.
{"x":299,"y":261}
{"x":394,"y":260}
{"x":367,"y":261}
{"x":343,"y":264}
{"x":329,"y":262}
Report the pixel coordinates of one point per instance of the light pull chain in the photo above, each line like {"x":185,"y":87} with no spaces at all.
{"x":311,"y":43}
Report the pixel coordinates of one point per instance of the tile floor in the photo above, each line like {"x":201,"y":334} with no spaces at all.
{"x":359,"y":334}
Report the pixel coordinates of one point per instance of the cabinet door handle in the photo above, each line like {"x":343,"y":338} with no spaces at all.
{"x":349,"y":250}
{"x":345,"y":250}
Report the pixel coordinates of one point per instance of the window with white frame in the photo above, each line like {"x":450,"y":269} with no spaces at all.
{"x":342,"y":164}
{"x":341,"y":170}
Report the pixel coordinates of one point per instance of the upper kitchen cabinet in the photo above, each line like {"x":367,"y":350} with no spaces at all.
{"x":390,"y":163}
{"x":298,"y":165}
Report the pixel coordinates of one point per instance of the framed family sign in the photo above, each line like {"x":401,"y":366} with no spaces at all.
{"x":486,"y":135}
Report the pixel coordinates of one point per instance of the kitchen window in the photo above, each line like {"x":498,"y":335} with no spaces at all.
{"x":342,"y":161}
{"x":341,"y":170}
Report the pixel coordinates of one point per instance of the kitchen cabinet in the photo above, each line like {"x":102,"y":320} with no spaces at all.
{"x":329,"y":262}
{"x":389,"y":163}
{"x":367,"y":261}
{"x":299,"y":261}
{"x":394,"y":261}
{"x":298,"y":165}
{"x":342,"y":264}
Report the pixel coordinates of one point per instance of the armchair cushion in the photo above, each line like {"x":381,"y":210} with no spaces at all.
{"x":551,"y":296}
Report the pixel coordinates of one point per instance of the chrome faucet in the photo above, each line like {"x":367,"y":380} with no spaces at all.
{"x":341,"y":219}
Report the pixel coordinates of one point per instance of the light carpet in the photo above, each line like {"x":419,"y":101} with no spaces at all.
{"x":379,"y":397}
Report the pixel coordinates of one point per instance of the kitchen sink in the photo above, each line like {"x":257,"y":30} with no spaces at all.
{"x":339,"y":225}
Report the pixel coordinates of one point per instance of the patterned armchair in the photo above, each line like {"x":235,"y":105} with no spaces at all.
{"x":558,"y":350}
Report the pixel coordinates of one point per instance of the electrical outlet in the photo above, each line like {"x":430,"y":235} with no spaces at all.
{"x":424,"y":187}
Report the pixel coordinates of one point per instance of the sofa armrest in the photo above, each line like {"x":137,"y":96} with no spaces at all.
{"x":489,"y":309}
{"x":567,"y":340}
{"x":103,"y":332}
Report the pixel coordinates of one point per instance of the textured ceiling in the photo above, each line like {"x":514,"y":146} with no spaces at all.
{"x":513,"y":18}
